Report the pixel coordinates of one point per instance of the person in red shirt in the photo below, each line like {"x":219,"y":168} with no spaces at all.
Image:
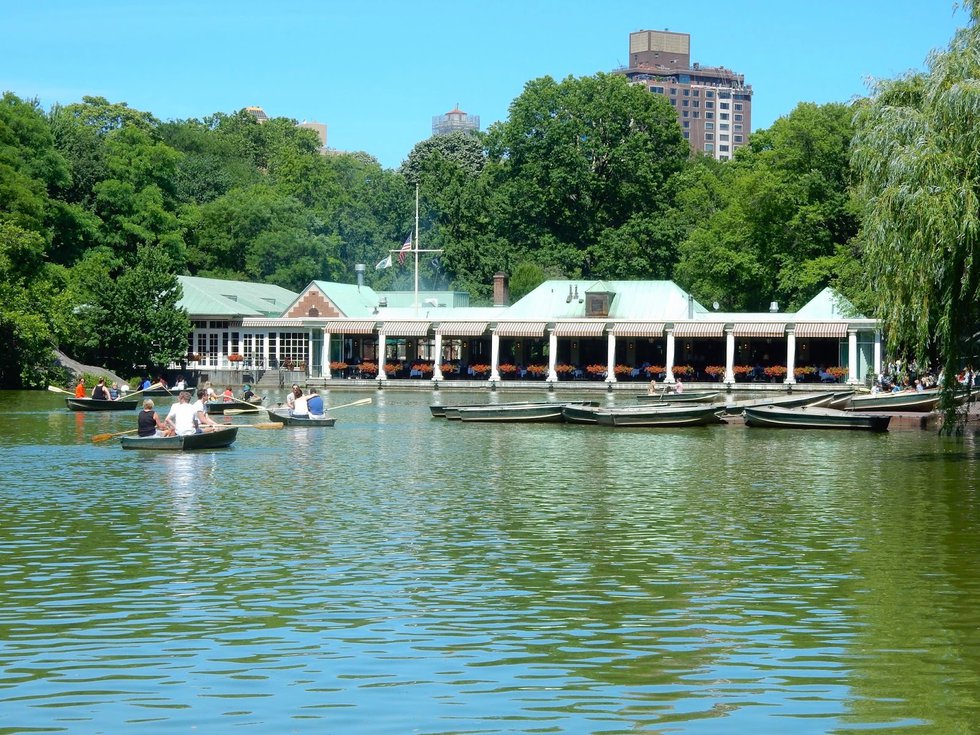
{"x":80,"y":388}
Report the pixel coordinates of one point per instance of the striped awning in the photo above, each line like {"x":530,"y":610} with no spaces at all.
{"x":832,"y":330}
{"x":405,"y":329}
{"x":638,"y":329}
{"x":758,"y":329}
{"x":699,"y":329}
{"x":580,"y":329}
{"x":462,"y":329}
{"x":351,"y":327}
{"x":521,"y":329}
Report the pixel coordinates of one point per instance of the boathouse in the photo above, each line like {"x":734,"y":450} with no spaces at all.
{"x":563,"y":330}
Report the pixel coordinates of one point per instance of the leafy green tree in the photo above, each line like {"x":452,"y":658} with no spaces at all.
{"x":915,"y":154}
{"x":780,"y":227}
{"x":578,"y":167}
{"x":526,"y":278}
{"x":26,"y":332}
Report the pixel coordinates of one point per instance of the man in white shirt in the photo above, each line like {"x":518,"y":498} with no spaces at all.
{"x":300,"y":407}
{"x":182,"y":419}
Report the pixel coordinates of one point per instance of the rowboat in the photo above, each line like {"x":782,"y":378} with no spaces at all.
{"x":449,"y":412}
{"x":910,"y":400}
{"x":809,"y":417}
{"x":155,"y":392}
{"x":696,"y":396}
{"x":515,"y":413}
{"x":220,"y":406}
{"x":98,"y":404}
{"x":206,"y":440}
{"x":659,"y":416}
{"x":309,"y":420}
{"x":791,"y":401}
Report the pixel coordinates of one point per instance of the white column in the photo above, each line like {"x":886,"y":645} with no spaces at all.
{"x":790,"y":357}
{"x":611,"y":360}
{"x":552,"y":356}
{"x":437,"y":364}
{"x":729,"y":355}
{"x":266,"y":338}
{"x":309,"y":353}
{"x":325,"y":354}
{"x":382,"y":339}
{"x":877,"y":354}
{"x":494,"y":356}
{"x":852,"y":356}
{"x":669,"y":367}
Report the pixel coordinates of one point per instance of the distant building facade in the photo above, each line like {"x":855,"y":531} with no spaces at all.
{"x":713,"y":104}
{"x":453,"y":121}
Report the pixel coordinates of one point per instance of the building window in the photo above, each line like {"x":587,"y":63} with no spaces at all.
{"x":674,"y":103}
{"x":709,"y":126}
{"x":723,"y":148}
{"x":724,"y":115}
{"x":709,"y":136}
{"x":686,"y":124}
{"x":722,"y":158}
{"x":687,"y":103}
{"x":738,"y":138}
{"x":687,"y":93}
{"x":685,"y":113}
{"x":697,"y":93}
{"x":696,"y":114}
{"x":597,"y":304}
{"x":725,"y":94}
{"x":738,"y":105}
{"x":673,"y":90}
{"x":738,"y":128}
{"x":709,"y":105}
{"x":657,"y":90}
{"x":709,"y":93}
{"x":709,"y":146}
{"x":723,"y":136}
{"x":710,"y":115}
{"x":738,"y":118}
{"x":687,"y":135}
{"x":723,"y":105}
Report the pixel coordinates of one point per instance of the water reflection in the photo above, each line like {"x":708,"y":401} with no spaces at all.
{"x":399,"y":573}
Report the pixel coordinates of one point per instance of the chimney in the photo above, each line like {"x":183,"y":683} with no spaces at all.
{"x":501,"y":291}
{"x":359,"y":270}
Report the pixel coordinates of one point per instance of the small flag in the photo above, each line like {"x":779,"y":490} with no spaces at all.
{"x":406,"y":247}
{"x":384,"y":263}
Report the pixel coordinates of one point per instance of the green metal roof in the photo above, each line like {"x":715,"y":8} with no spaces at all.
{"x":828,"y":304}
{"x":633,"y":300}
{"x":448,"y":299}
{"x":220,"y":298}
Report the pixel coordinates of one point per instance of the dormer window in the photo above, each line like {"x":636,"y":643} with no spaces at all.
{"x":597,"y":304}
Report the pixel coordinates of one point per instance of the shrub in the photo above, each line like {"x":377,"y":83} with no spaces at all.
{"x":653,"y":370}
{"x":507,"y":369}
{"x":368,"y":368}
{"x":538,"y":370}
{"x":715,"y":371}
{"x":623,"y":370}
{"x":775,"y":371}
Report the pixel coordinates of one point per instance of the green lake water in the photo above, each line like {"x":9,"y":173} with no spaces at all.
{"x":403,"y":574}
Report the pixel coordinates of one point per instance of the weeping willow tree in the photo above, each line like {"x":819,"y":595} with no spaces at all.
{"x":916,"y":154}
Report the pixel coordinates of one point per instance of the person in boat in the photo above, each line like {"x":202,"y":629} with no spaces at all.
{"x":247,"y":394}
{"x":162,"y":382}
{"x":114,"y":392}
{"x":678,"y":386}
{"x":300,"y":403}
{"x":182,"y":419}
{"x":314,"y":403}
{"x":80,"y":388}
{"x":291,"y":397}
{"x":180,"y":383}
{"x":148,"y":422}
{"x":145,"y":384}
{"x":204,"y":421}
{"x":229,"y":395}
{"x":100,"y":392}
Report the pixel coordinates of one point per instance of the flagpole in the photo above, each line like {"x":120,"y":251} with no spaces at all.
{"x":416,"y":248}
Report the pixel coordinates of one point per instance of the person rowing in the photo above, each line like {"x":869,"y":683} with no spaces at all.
{"x":148,"y":422}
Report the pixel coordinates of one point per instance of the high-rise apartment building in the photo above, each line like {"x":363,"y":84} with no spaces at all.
{"x":455,"y":120}
{"x":713,"y":104}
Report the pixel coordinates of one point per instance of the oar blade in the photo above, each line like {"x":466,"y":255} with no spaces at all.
{"x":56,"y":389}
{"x":101,"y":438}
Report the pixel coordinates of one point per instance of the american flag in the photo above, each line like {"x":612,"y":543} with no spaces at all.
{"x":406,"y":247}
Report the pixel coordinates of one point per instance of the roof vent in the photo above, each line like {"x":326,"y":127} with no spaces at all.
{"x":773,"y":307}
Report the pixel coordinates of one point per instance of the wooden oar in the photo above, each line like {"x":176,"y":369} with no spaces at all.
{"x":362,"y":402}
{"x":103,"y":437}
{"x":255,"y":408}
{"x":137,"y":392}
{"x":56,"y":389}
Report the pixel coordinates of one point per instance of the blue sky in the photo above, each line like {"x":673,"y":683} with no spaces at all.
{"x":377,"y":71}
